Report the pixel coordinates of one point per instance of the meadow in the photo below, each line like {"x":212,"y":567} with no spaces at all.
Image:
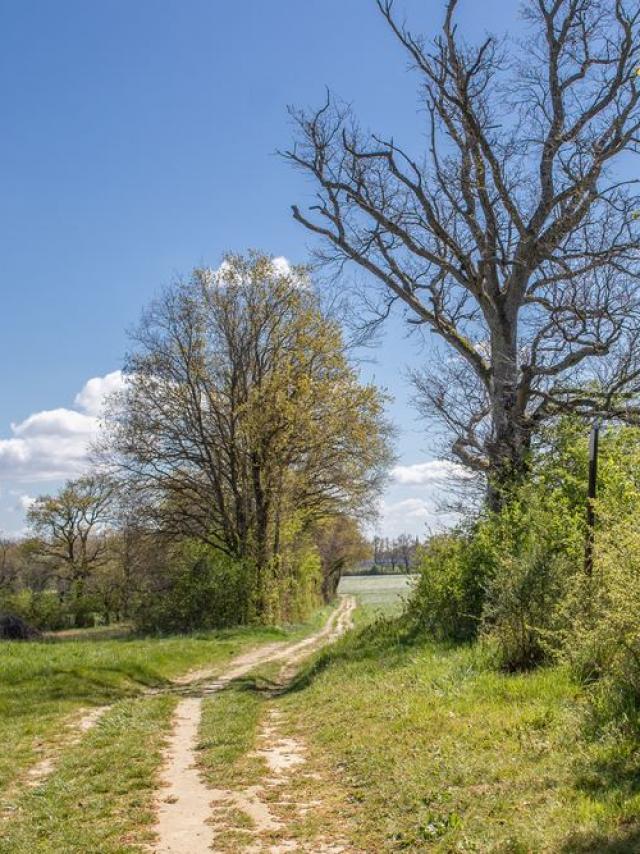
{"x":383,"y":594}
{"x":408,"y":744}
{"x":441,"y":752}
{"x":47,"y":687}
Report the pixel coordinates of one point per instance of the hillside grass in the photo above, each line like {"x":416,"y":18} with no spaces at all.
{"x":442,"y":753}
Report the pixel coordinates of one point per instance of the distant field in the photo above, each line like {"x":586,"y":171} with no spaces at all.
{"x":383,"y":592}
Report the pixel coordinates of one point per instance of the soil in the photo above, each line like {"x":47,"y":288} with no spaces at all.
{"x":186,"y":804}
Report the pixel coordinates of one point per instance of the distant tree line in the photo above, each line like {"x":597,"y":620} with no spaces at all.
{"x":387,"y":556}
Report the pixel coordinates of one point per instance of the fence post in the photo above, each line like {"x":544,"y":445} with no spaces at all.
{"x":591,"y":494}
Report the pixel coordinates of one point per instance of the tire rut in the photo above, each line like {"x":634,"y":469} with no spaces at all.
{"x":184,"y":807}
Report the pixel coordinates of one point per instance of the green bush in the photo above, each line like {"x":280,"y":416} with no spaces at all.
{"x":448,"y":598}
{"x":200,"y":589}
{"x":541,"y":542}
{"x":43,"y":610}
{"x":602,"y":638}
{"x":518,"y":576}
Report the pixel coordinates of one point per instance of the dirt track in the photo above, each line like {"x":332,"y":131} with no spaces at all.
{"x":185,"y":804}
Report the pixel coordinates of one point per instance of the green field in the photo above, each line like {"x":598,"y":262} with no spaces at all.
{"x":439,"y":752}
{"x":409,"y":745}
{"x":382,"y":593}
{"x":44,"y":684}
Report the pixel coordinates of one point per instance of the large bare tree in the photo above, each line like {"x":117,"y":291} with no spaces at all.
{"x":512,"y":235}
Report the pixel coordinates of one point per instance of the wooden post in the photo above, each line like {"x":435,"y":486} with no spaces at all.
{"x":591,"y":494}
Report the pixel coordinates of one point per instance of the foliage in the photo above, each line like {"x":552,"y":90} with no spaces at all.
{"x":519,"y":574}
{"x":199,"y":588}
{"x":540,"y":550}
{"x":602,"y":613}
{"x":441,"y":752}
{"x":448,"y":598}
{"x":42,"y":609}
{"x":602,"y":639}
{"x":71,"y":539}
{"x":341,"y":544}
{"x":242,"y":415}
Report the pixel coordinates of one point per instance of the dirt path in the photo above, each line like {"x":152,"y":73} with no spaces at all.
{"x":261,"y":818}
{"x":186,"y":802}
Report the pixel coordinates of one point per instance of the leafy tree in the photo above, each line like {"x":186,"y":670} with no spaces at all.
{"x":71,"y":530}
{"x":340,"y":543}
{"x":241,"y":412}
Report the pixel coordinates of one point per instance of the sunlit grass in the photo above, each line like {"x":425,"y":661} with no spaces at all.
{"x":100,"y":798}
{"x":42,"y":684}
{"x":442,"y":753}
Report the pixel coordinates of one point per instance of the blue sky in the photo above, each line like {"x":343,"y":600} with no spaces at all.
{"x":138,"y":141}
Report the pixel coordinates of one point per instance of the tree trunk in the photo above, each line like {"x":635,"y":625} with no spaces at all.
{"x":511,"y":438}
{"x":261,"y":554}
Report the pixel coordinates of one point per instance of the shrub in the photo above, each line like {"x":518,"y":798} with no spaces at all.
{"x":448,"y":597}
{"x":602,"y":639}
{"x":42,"y":609}
{"x":200,"y":589}
{"x":541,"y":542}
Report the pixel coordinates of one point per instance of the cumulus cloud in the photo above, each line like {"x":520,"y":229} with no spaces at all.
{"x":53,"y":444}
{"x":433,"y":472}
{"x":92,"y":396}
{"x":415,"y":516}
{"x":281,"y":267}
{"x":412,"y":508}
{"x":25,"y":502}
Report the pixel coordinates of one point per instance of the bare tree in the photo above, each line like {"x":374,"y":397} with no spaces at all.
{"x":406,"y":546}
{"x":512,"y":236}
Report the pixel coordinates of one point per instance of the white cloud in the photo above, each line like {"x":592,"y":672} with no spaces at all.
{"x":53,"y":444}
{"x":25,"y":502}
{"x":433,"y":472}
{"x":412,"y":508}
{"x":281,"y":267}
{"x":48,"y":445}
{"x":415,"y":516}
{"x":92,"y":397}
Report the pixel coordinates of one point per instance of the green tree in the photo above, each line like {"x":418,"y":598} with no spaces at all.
{"x":71,"y":531}
{"x":242,"y":412}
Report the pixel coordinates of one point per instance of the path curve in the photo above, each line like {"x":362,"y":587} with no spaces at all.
{"x":184,"y":808}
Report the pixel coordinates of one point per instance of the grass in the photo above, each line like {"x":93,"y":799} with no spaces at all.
{"x":100,"y":798}
{"x":441,"y":753}
{"x":228,"y":731}
{"x":380,"y":594}
{"x":43,"y":684}
{"x":410,"y":745}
